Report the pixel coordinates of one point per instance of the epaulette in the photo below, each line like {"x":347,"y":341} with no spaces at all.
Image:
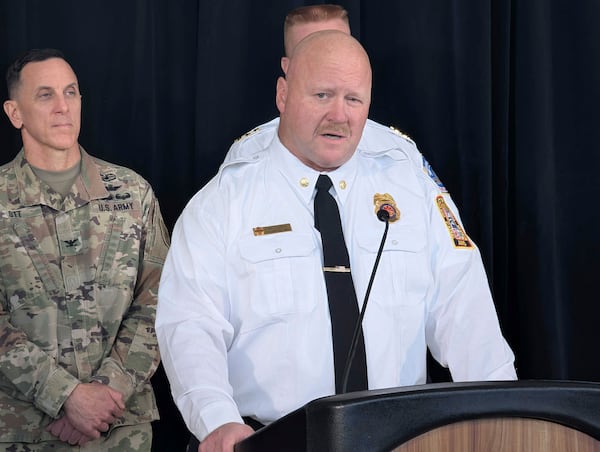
{"x":401,"y":134}
{"x":257,"y":139}
{"x":247,"y":134}
{"x":425,"y":166}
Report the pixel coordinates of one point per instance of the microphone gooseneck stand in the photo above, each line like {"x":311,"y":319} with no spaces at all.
{"x":382,"y":215}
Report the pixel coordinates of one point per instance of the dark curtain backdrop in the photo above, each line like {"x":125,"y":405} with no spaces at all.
{"x":500,"y":95}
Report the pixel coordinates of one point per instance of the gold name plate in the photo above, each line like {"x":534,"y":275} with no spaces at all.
{"x":264,"y":230}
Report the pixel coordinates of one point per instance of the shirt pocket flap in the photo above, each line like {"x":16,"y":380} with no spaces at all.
{"x":277,"y":246}
{"x":398,"y":239}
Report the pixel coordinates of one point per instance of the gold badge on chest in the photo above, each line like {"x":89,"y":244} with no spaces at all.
{"x":386,"y":202}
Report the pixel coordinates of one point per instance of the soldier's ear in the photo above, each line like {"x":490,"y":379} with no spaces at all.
{"x":11,"y":108}
{"x":281,"y":95}
{"x":285,"y":62}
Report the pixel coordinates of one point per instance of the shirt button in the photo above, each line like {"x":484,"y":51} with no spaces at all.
{"x":278,"y":250}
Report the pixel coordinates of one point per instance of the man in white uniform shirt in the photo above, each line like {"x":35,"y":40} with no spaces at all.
{"x":243,"y":320}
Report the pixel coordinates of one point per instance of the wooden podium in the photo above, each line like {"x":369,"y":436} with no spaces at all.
{"x":528,"y":416}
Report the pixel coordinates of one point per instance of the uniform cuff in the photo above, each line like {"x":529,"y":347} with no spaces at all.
{"x":58,"y":388}
{"x":216,"y":414}
{"x":112,"y":375}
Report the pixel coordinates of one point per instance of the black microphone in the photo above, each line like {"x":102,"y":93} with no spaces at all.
{"x":383,"y":215}
{"x":386,"y":213}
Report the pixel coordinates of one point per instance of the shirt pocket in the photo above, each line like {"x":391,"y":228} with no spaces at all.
{"x":118,"y":256}
{"x":279,"y":273}
{"x":403,"y":275}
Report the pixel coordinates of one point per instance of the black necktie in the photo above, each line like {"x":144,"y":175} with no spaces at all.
{"x":343,"y":306}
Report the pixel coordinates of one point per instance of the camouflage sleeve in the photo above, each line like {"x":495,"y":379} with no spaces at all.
{"x":134,"y":356}
{"x":28,"y":373}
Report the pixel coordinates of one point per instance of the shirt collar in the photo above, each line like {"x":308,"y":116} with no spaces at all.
{"x":303,"y":178}
{"x":87,"y":186}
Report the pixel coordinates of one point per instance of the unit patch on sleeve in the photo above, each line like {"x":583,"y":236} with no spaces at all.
{"x":429,"y":171}
{"x":457,"y":233}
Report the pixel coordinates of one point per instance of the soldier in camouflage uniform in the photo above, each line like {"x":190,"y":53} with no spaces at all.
{"x":82,"y":245}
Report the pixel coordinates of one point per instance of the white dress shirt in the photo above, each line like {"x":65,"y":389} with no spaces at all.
{"x":243,"y":320}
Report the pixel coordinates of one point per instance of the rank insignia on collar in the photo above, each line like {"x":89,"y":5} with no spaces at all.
{"x":457,"y":233}
{"x":387,"y":203}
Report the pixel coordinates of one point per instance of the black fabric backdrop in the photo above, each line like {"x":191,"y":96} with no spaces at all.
{"x":500,"y":95}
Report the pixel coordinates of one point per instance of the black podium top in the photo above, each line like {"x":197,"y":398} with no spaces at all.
{"x":381,"y":420}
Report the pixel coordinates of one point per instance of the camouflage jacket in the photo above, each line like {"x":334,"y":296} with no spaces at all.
{"x":78,"y":292}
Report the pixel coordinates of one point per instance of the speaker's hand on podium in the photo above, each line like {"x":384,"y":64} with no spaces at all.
{"x":225,"y":437}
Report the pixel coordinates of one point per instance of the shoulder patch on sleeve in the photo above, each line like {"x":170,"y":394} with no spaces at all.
{"x":427,"y":169}
{"x":457,"y":233}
